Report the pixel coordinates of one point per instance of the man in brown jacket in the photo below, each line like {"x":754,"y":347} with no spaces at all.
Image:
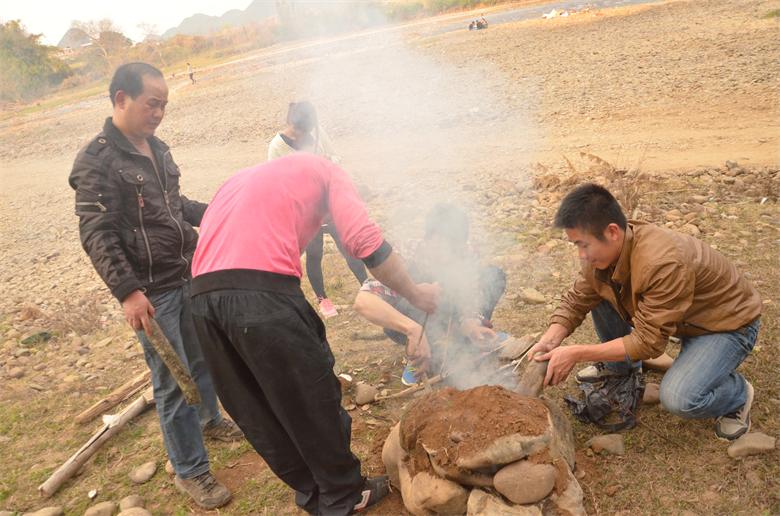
{"x":642,"y":284}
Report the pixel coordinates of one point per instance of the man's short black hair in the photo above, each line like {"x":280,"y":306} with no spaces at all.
{"x":592,"y":208}
{"x":130,"y":78}
{"x":449,"y":222}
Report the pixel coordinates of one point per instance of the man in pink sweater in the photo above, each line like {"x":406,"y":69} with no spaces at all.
{"x":264,"y":344}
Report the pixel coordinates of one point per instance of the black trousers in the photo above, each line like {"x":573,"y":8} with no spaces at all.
{"x":273,"y":371}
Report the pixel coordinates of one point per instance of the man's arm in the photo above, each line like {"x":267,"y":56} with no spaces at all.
{"x":378,"y":311}
{"x":193,"y":211}
{"x":392,"y":273}
{"x":98,"y":205}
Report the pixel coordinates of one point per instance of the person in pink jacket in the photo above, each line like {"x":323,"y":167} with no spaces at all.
{"x":264,"y":344}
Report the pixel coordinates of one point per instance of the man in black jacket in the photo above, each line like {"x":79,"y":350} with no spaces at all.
{"x":137,"y":229}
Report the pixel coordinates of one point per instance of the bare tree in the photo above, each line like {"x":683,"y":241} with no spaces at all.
{"x":105,"y":36}
{"x":152,"y":39}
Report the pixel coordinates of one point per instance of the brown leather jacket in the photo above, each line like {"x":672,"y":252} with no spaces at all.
{"x":134,"y":223}
{"x":664,"y":283}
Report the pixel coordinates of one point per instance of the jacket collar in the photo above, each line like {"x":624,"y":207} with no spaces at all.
{"x":120,"y":140}
{"x":621,"y":271}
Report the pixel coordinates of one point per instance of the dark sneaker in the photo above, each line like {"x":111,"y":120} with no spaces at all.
{"x":226,"y":431}
{"x":734,"y":425}
{"x":204,"y":489}
{"x":595,"y":373}
{"x":374,"y":489}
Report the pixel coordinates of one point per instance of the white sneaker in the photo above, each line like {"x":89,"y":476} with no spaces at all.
{"x":733,"y":425}
{"x":595,"y":373}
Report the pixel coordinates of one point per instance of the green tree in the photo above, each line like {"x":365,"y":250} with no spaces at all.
{"x":29,"y":68}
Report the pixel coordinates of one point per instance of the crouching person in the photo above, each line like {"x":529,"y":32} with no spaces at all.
{"x":642,"y":284}
{"x":470,"y":293}
{"x":264,"y":344}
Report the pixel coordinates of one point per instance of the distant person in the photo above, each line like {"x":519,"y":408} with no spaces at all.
{"x":303,"y":134}
{"x":265,"y":345}
{"x":470,"y":293}
{"x":137,"y":229}
{"x":191,"y":73}
{"x":643,"y":284}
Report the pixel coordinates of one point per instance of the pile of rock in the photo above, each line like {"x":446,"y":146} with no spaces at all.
{"x":483,"y":451}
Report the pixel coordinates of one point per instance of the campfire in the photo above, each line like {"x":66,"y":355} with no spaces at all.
{"x":485,"y":450}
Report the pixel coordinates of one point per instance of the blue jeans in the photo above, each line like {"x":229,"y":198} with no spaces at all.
{"x":180,"y":423}
{"x":702,"y":382}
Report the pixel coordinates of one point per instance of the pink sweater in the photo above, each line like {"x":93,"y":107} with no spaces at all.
{"x":264,"y":216}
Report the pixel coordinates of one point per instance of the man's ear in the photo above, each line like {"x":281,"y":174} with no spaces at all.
{"x":612,"y":232}
{"x":120,"y":99}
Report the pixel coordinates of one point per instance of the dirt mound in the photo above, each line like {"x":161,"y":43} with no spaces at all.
{"x":463,"y":422}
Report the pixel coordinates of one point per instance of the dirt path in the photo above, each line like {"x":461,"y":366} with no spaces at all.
{"x":678,"y":87}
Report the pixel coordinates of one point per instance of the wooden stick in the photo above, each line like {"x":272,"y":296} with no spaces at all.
{"x":174,"y":364}
{"x":78,"y":459}
{"x":414,"y":388}
{"x":117,"y":396}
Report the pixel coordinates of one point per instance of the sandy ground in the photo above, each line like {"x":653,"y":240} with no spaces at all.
{"x":674,"y":89}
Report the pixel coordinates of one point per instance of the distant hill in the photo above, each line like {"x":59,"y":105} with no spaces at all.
{"x":202,"y":24}
{"x":74,"y":38}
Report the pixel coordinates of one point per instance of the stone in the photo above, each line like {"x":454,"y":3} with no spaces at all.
{"x":101,"y":509}
{"x":135,"y":511}
{"x":562,"y":443}
{"x":513,"y":347}
{"x":690,"y":229}
{"x":673,"y":215}
{"x":47,"y":511}
{"x":524,"y":482}
{"x":505,"y":450}
{"x":169,"y":467}
{"x":438,"y":495}
{"x":698,"y":198}
{"x":611,"y":443}
{"x":393,"y":454}
{"x":405,"y":483}
{"x":752,"y":443}
{"x":568,"y":497}
{"x":365,"y":393}
{"x":481,"y":503}
{"x":532,"y":296}
{"x":652,"y":395}
{"x":128,"y":502}
{"x":143,"y":472}
{"x":16,"y":372}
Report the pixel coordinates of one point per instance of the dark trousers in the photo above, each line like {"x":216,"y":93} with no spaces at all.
{"x":273,"y":370}
{"x":314,"y":261}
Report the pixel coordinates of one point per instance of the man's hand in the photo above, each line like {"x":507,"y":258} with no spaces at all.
{"x":477,"y":334}
{"x":561,"y":362}
{"x":426,"y":297}
{"x":417,"y":349}
{"x":138,"y":310}
{"x":551,"y":339}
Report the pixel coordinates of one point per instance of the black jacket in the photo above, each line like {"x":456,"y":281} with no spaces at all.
{"x":134,"y":223}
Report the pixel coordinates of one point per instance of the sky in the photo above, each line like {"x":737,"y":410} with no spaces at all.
{"x":52,"y":18}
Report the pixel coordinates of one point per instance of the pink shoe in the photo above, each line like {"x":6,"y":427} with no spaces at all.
{"x":327,"y":309}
